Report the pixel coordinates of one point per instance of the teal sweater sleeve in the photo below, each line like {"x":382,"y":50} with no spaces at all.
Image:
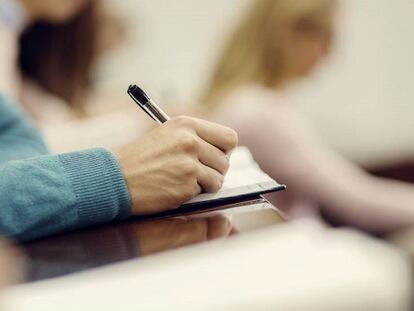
{"x":44,"y":194}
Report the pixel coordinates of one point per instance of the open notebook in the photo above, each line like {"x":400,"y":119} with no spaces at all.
{"x":244,"y":180}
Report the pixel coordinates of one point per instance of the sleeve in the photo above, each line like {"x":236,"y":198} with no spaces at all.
{"x":50,"y":194}
{"x":42,"y":194}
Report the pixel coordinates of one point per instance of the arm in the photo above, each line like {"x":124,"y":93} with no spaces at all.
{"x":44,"y":195}
{"x":50,"y":194}
{"x":288,"y":153}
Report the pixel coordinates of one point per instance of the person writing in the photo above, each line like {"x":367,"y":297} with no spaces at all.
{"x":43,"y":194}
{"x":277,"y":43}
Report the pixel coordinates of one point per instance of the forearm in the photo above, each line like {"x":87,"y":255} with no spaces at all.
{"x":347,"y":194}
{"x":50,"y":194}
{"x":375,"y":205}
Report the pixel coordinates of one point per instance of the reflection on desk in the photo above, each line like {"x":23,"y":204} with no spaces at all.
{"x":297,"y":266}
{"x":95,"y":247}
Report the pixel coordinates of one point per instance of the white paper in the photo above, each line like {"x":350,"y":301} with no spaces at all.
{"x":244,"y":177}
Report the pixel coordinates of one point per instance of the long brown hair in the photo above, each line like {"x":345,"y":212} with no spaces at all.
{"x":253,"y":53}
{"x":59,"y":57}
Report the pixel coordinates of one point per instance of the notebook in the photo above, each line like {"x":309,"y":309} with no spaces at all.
{"x":244,"y":180}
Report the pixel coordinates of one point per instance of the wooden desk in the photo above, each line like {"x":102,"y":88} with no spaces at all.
{"x":100,"y":246}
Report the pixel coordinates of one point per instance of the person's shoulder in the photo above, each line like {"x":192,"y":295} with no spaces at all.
{"x":256,"y":106}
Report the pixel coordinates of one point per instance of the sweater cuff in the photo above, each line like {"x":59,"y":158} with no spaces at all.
{"x":100,"y":188}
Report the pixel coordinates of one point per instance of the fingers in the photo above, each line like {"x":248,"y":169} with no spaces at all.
{"x":218,"y":226}
{"x":209,"y":179}
{"x":197,"y":190}
{"x":213,"y":157}
{"x":217,"y":135}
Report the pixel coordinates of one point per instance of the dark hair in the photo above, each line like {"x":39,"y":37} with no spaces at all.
{"x":59,"y":57}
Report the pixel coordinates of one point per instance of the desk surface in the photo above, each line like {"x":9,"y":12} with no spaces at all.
{"x":100,"y":246}
{"x":300,"y":266}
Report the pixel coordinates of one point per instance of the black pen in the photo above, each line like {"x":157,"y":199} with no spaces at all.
{"x":145,"y":102}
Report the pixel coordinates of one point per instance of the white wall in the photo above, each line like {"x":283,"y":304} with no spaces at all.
{"x":362,"y":102}
{"x":171,"y":44}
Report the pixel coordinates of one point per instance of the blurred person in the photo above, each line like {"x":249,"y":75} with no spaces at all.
{"x":277,"y":43}
{"x":50,"y":66}
{"x":43,"y":194}
{"x":57,"y":49}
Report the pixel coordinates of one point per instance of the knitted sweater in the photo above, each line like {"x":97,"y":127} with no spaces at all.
{"x":42,"y":194}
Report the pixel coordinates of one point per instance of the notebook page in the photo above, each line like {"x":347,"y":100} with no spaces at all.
{"x":241,"y":157}
{"x":244,"y":177}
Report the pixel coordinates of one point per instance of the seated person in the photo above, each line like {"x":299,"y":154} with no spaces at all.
{"x":43,"y":194}
{"x":277,"y":43}
{"x":46,"y":38}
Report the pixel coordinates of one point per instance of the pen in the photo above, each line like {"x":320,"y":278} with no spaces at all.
{"x":145,"y":102}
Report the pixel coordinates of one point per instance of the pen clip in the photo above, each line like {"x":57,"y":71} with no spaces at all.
{"x":146,"y":104}
{"x":143,"y":106}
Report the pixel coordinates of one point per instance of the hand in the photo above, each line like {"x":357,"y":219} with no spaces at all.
{"x":175,"y":162}
{"x":156,"y":236}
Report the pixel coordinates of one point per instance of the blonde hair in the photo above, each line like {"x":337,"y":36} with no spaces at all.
{"x":254,"y":52}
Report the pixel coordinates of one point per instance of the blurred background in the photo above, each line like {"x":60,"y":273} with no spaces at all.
{"x":359,"y":100}
{"x":171,"y":47}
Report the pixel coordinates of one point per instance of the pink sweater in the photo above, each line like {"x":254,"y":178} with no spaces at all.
{"x":288,"y":150}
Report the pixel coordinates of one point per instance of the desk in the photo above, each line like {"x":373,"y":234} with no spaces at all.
{"x":100,"y":246}
{"x":299,"y":266}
